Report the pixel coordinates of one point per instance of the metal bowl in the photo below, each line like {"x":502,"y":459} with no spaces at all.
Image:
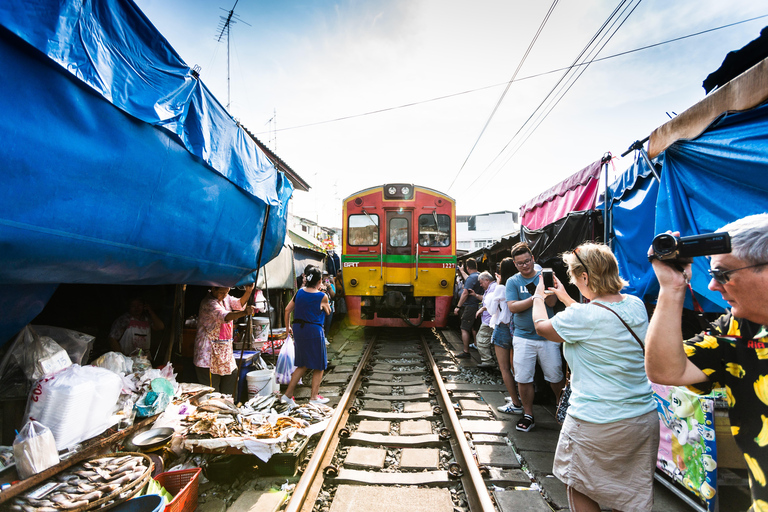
{"x":152,"y":438}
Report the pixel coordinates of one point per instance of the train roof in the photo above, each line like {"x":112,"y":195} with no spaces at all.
{"x":381,"y":187}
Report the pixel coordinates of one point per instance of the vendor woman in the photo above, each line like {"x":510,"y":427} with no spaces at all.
{"x":214,"y":360}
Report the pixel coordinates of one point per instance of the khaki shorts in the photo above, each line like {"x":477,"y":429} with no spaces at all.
{"x":528,"y":351}
{"x":468,"y":316}
{"x":612,"y":463}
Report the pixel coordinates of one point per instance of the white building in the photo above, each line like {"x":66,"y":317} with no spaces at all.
{"x":477,"y":231}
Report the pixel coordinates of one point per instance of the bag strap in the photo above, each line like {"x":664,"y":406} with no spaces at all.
{"x":622,"y":321}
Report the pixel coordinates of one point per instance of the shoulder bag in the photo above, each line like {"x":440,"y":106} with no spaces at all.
{"x":562,"y":404}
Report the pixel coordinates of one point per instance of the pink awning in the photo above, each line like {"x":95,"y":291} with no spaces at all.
{"x":576,"y":193}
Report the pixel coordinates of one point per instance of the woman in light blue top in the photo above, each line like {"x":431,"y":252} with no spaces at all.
{"x":607,"y":449}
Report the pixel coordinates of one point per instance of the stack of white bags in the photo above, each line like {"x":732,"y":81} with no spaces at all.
{"x":75,"y":403}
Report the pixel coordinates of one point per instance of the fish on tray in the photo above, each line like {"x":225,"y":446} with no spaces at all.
{"x":84,"y":484}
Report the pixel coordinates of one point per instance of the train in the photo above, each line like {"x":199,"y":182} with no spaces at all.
{"x":398,"y":256}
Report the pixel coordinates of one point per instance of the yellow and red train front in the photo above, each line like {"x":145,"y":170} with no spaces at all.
{"x":399,"y":256}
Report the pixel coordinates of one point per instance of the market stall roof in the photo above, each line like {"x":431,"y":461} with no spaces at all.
{"x":124,"y":168}
{"x":575,"y":193}
{"x":744,"y":92}
{"x":300,"y":240}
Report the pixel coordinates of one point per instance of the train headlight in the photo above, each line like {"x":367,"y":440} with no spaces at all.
{"x":405,"y":191}
{"x":392,"y":191}
{"x":353,"y":282}
{"x":444,"y":283}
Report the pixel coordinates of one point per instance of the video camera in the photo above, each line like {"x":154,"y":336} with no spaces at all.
{"x":671,"y":248}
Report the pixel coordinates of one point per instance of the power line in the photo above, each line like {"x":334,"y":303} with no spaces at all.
{"x":551,"y":106}
{"x":521,"y":79}
{"x":509,"y":84}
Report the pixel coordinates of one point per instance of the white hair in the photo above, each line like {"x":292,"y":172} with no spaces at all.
{"x":749,"y":238}
{"x":486,"y":276}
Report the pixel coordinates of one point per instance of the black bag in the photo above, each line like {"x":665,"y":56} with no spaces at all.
{"x":562,"y":405}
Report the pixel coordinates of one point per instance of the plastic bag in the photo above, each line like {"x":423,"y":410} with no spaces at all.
{"x":115,"y":362}
{"x":36,"y":355}
{"x":77,"y":344}
{"x":284,"y":367}
{"x":75,"y":403}
{"x":151,"y":403}
{"x":34,"y":449}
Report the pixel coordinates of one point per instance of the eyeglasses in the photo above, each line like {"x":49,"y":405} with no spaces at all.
{"x":524,"y":263}
{"x":576,"y":253}
{"x":723,"y":276}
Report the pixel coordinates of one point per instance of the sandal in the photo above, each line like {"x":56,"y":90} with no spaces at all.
{"x":526,"y":423}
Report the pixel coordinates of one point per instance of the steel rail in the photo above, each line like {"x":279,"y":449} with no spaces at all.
{"x":301,"y":492}
{"x":479,"y":499}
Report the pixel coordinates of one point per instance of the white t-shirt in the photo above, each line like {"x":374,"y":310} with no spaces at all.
{"x":608,"y":379}
{"x":497,"y":307}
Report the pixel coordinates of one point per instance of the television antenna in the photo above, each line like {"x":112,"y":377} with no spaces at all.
{"x":225,"y":25}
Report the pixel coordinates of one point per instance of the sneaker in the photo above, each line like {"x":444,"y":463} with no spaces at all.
{"x":463,"y":355}
{"x":320,"y":400}
{"x":486,"y":365}
{"x":510,"y":408}
{"x":473,"y":346}
{"x":288,"y":401}
{"x":526,"y":423}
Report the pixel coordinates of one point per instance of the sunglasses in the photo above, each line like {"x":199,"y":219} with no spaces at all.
{"x":576,"y":253}
{"x":723,"y":276}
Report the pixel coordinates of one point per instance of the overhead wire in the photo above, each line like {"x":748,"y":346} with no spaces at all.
{"x":542,"y":111}
{"x":528,"y":77}
{"x":504,"y":93}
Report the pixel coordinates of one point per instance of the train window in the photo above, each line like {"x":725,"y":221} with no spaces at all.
{"x":434,"y":230}
{"x":363,"y":229}
{"x":398,"y":232}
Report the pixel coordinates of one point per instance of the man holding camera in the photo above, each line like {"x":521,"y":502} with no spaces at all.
{"x":733,"y":351}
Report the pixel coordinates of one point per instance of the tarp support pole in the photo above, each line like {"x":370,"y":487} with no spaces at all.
{"x":607,"y":201}
{"x":639,"y":145}
{"x":249,"y":318}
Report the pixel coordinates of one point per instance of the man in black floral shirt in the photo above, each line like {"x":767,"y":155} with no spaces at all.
{"x":733,"y":352}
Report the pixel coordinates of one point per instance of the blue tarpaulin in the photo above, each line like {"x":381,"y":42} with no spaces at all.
{"x":118,"y":165}
{"x":706,"y":183}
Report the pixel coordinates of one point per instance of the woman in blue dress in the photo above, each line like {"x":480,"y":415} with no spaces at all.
{"x":309,"y":307}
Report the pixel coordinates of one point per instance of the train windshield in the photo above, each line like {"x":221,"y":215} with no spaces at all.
{"x":434,"y":230}
{"x":363,"y":229}
{"x":398,"y":232}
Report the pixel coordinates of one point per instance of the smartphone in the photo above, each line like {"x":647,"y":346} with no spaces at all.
{"x":548,"y":275}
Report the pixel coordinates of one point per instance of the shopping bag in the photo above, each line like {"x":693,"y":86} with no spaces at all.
{"x":284,"y":367}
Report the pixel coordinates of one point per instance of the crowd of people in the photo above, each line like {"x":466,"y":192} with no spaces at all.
{"x":608,"y":444}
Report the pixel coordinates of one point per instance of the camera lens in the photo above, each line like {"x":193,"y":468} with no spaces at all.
{"x":664,"y":244}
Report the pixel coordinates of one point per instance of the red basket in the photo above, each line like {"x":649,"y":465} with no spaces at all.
{"x":183,"y":485}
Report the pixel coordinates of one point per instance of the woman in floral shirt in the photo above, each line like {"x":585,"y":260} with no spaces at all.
{"x":214,"y":360}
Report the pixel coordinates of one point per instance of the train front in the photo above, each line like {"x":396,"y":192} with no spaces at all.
{"x":399,"y":256}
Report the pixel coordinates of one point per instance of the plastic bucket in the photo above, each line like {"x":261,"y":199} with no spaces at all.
{"x":146,"y":503}
{"x":260,"y":382}
{"x":260,"y":328}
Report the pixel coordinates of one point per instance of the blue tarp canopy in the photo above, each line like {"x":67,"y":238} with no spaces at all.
{"x":706,"y":183}
{"x":118,"y":165}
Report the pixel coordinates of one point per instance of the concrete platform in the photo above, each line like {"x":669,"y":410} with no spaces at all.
{"x":415,"y":427}
{"x":502,"y":456}
{"x":473,"y":405}
{"x":418,"y":407}
{"x":364,"y":457}
{"x":353,"y":498}
{"x":516,"y":501}
{"x":258,"y":501}
{"x":420,"y":458}
{"x":374,"y":427}
{"x":539,"y":463}
{"x":378,"y":405}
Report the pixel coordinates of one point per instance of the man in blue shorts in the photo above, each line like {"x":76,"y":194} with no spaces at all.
{"x":529,"y":346}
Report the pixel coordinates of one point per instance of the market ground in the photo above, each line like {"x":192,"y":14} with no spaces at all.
{"x":536,"y":448}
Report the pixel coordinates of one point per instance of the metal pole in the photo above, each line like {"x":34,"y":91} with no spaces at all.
{"x":606,"y":202}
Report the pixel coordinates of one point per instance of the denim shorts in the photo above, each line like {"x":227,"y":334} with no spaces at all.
{"x":502,"y":335}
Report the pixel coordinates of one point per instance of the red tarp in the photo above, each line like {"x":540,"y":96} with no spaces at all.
{"x":576,"y":193}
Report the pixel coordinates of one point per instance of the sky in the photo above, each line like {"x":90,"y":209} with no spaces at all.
{"x":356,"y":93}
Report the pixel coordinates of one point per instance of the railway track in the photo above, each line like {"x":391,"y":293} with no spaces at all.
{"x":395,"y":439}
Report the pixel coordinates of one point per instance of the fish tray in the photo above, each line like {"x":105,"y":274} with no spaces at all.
{"x":183,"y":485}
